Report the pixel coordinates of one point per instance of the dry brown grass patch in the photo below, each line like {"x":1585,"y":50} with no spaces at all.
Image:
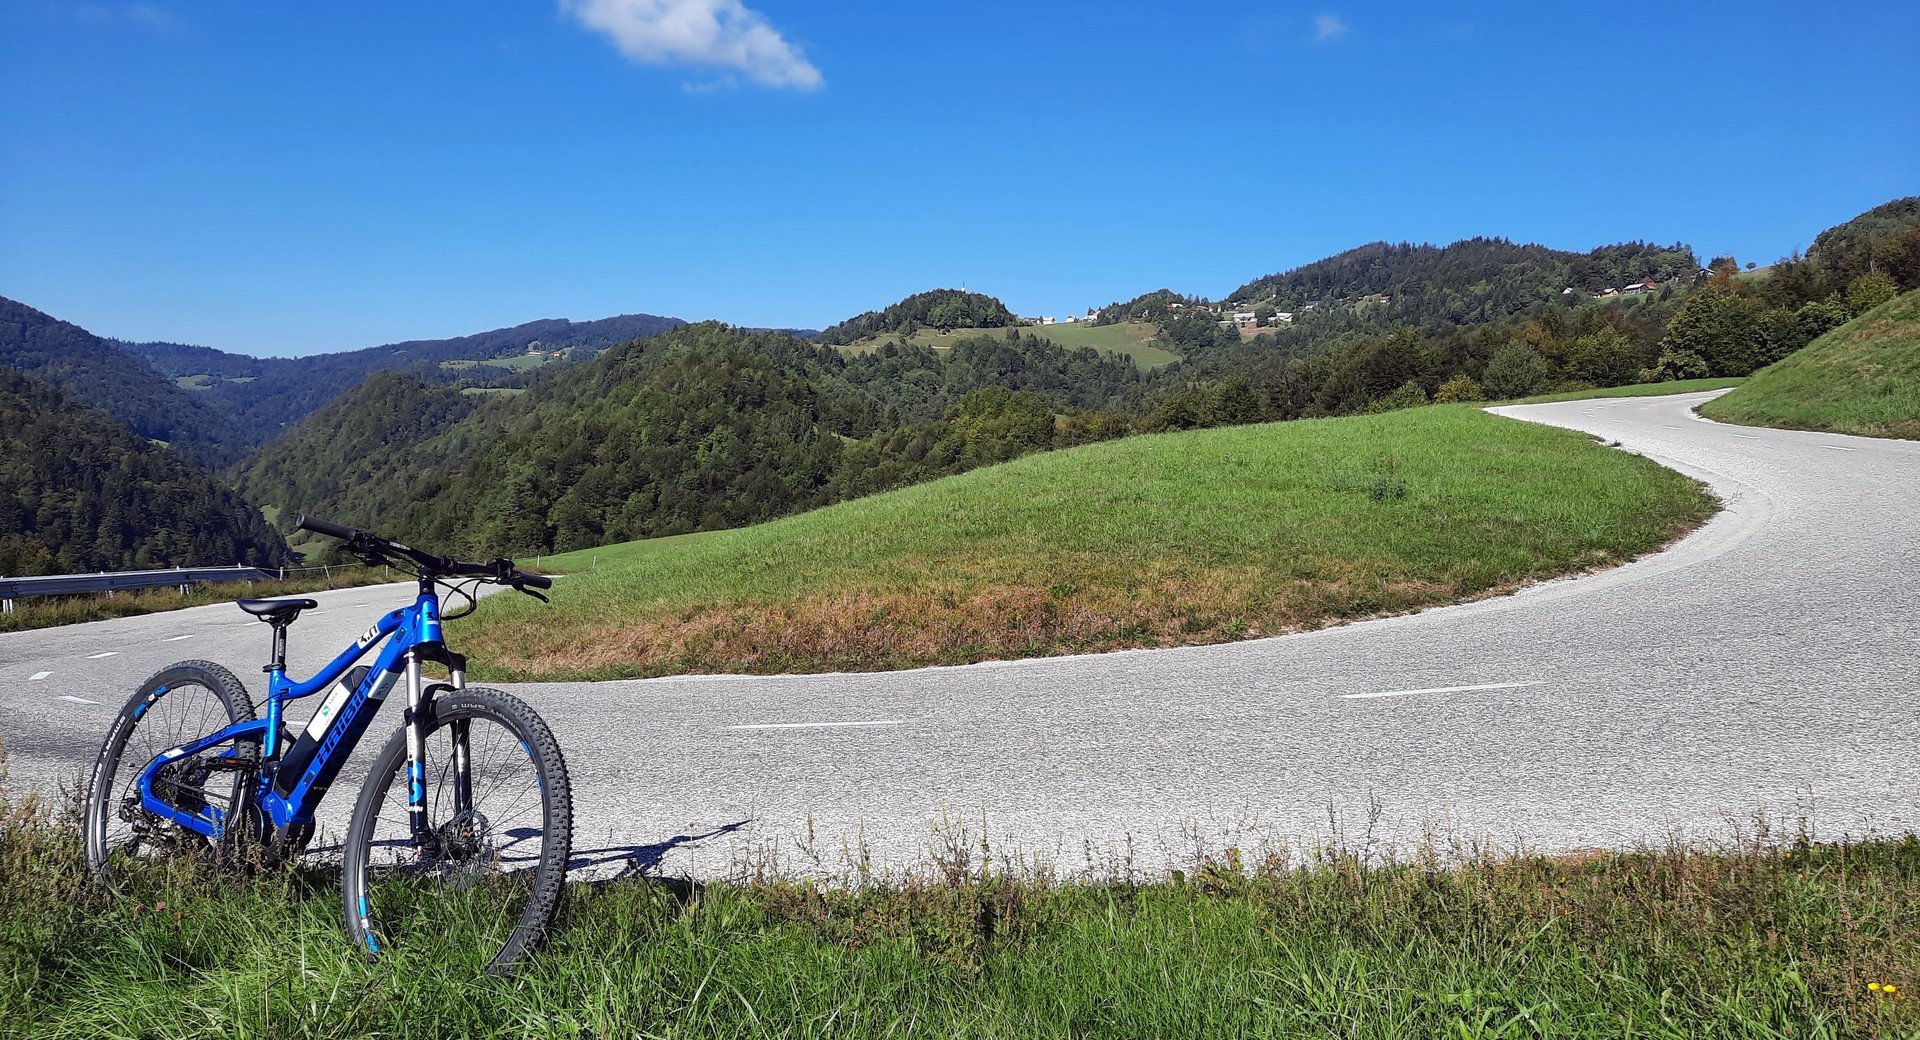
{"x":872,"y":629}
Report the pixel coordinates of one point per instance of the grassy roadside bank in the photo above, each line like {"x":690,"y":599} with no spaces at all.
{"x":1766,"y":938}
{"x":1677,"y":386}
{"x":1862,"y":378}
{"x":48,"y":611}
{"x":1163,"y":540}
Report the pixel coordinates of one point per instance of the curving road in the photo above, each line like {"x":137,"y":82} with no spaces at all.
{"x":1768,"y":663}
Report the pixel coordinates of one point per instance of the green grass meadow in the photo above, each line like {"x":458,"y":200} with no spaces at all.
{"x":1862,"y":378}
{"x":515,"y":362}
{"x":1132,"y":338}
{"x":1763,"y":938}
{"x":1163,"y":540}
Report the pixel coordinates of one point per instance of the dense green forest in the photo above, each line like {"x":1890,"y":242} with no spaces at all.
{"x":1350,"y":354}
{"x":354,"y":455}
{"x":1158,"y":305}
{"x":707,"y":426}
{"x":1475,"y":280}
{"x":93,"y":371}
{"x":81,"y":492}
{"x":935,"y":309}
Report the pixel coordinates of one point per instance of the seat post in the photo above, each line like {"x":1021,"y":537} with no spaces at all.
{"x":279,"y":663}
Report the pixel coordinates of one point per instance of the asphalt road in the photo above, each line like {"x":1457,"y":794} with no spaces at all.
{"x":1766,"y":664}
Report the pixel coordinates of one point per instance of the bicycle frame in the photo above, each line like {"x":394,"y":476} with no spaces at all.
{"x":413,"y":635}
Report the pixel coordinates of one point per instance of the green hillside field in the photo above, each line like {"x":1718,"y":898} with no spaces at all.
{"x":1133,"y":339}
{"x":1861,"y":378}
{"x":1171,"y":539}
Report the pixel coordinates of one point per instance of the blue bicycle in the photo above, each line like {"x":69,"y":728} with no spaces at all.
{"x":463,"y":827}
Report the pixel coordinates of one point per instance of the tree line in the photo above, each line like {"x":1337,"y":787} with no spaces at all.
{"x":944,"y":309}
{"x":81,"y":492}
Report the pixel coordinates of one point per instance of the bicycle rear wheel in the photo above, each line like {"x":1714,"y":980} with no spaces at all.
{"x":486,"y":881}
{"x":180,"y":703}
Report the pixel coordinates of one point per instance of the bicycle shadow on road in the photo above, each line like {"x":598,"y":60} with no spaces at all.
{"x":640,"y":861}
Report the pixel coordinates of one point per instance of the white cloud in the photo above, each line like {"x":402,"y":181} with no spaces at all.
{"x":721,"y":34}
{"x":144,"y":15}
{"x":1327,"y":27}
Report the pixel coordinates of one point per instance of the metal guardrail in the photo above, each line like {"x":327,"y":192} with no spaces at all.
{"x":109,"y":581}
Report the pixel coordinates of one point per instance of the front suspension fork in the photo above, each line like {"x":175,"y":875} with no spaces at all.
{"x":424,"y":836}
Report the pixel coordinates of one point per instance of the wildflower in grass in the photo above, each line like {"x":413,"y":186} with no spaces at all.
{"x":1873,"y":987}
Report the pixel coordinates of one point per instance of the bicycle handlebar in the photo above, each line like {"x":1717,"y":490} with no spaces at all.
{"x":328,"y":528}
{"x":364,"y":544}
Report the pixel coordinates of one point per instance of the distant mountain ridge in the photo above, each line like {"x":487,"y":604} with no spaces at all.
{"x":267,"y":394}
{"x":1473,"y":279}
{"x":94,"y":372}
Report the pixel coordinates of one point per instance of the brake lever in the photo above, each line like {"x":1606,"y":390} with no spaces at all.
{"x":522,"y":588}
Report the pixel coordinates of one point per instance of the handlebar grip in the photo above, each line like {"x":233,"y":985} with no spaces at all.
{"x":538,"y":581}
{"x":326,"y":527}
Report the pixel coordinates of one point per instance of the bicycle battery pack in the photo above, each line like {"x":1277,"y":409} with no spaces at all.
{"x":300,"y":755}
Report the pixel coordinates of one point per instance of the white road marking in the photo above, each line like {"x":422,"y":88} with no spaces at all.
{"x":1744,"y":436}
{"x":176,"y":639}
{"x":817,"y":725}
{"x":104,"y":653}
{"x":77,"y":700}
{"x":1440,"y":689}
{"x":37,"y":676}
{"x":1664,"y":427}
{"x":1838,"y":447}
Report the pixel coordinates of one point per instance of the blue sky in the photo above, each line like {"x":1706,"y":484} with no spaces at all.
{"x":279,"y":178}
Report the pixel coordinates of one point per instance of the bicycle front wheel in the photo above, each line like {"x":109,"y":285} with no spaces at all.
{"x":483,"y":879}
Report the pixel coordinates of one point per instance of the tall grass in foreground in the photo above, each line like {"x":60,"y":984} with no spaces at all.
{"x":1162,"y":540}
{"x":1769,"y":937}
{"x":1861,"y":378}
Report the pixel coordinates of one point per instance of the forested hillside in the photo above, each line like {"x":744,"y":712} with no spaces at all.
{"x":1880,"y":247}
{"x":704,"y":427}
{"x":1158,"y":305}
{"x":1885,"y":238}
{"x":80,"y":492}
{"x":1475,"y":280}
{"x":94,"y":372}
{"x":367,"y":453}
{"x":936,"y":309}
{"x":268,"y":394}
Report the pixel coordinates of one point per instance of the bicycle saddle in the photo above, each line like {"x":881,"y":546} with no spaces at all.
{"x":277,"y":611}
